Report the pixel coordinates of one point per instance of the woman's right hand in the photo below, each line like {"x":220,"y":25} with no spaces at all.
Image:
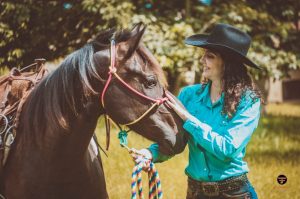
{"x":143,"y":157}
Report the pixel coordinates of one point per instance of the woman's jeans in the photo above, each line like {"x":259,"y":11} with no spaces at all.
{"x":245,"y":191}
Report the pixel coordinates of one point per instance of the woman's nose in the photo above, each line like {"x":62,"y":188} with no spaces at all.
{"x":202,"y":59}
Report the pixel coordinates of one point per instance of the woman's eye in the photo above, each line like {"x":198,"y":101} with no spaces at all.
{"x":210,"y":56}
{"x":150,"y":82}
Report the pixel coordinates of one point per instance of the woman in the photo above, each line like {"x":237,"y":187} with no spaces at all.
{"x":219,"y":117}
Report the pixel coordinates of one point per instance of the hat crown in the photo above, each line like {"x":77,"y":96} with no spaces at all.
{"x":224,"y":34}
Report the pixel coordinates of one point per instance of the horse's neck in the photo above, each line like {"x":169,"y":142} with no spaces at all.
{"x":74,"y":140}
{"x":84,"y":125}
{"x":82,"y":128}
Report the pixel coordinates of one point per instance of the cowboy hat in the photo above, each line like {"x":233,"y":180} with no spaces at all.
{"x":227,"y":40}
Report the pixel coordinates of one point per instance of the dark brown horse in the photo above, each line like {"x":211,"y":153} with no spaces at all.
{"x":50,"y":157}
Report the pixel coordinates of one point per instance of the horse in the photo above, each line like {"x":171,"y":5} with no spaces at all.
{"x":51,"y":157}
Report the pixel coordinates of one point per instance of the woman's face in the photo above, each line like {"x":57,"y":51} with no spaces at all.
{"x":213,"y":65}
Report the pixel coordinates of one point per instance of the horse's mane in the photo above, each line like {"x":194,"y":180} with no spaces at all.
{"x":52,"y":104}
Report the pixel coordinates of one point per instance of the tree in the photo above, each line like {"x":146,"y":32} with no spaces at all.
{"x":275,"y":38}
{"x":52,"y":29}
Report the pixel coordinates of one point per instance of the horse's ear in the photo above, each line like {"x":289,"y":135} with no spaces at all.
{"x":129,"y":46}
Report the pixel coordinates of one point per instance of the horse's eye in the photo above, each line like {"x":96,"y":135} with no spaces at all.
{"x":150,"y":82}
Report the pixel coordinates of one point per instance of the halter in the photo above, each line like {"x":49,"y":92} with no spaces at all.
{"x":113,"y":72}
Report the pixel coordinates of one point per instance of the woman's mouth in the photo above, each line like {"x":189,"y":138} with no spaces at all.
{"x":206,"y":68}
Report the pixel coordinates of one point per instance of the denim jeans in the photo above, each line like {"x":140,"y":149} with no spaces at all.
{"x":246,"y":191}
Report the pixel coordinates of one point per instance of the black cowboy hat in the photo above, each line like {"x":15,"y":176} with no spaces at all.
{"x":227,"y":40}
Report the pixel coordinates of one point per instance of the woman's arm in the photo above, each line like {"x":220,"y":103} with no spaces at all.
{"x":181,"y":139}
{"x":227,"y":144}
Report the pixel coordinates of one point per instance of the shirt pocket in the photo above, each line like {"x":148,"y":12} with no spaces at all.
{"x":223,"y":122}
{"x":223,"y":125}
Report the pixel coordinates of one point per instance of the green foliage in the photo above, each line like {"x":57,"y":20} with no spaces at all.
{"x":52,"y":29}
{"x":167,"y":43}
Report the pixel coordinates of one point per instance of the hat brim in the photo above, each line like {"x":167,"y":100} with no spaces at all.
{"x":200,"y":40}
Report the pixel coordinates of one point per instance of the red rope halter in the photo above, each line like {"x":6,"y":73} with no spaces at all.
{"x":113,"y":71}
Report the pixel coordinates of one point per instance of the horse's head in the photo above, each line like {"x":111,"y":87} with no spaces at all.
{"x":137,"y":67}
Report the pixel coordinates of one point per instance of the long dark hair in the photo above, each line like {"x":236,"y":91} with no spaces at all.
{"x":236,"y":81}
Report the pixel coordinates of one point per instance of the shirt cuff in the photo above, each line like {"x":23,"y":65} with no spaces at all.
{"x":154,"y":151}
{"x":156,"y":155}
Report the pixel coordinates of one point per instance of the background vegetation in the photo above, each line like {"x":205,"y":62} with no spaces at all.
{"x":52,"y":29}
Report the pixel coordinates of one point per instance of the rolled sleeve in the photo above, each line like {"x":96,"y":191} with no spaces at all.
{"x":156,"y":155}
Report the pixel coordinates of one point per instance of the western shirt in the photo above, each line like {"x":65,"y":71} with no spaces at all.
{"x":217,"y":143}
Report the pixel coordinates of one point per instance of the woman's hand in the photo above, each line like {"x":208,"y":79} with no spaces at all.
{"x":142,"y":156}
{"x":180,"y":110}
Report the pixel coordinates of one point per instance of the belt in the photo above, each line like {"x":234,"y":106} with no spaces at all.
{"x":215,"y":188}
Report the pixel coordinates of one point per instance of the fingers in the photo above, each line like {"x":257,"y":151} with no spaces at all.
{"x":170,"y":98}
{"x":141,"y":157}
{"x":170,"y":104}
{"x":173,"y":106}
{"x":167,"y":105}
{"x":132,"y":151}
{"x":144,"y":153}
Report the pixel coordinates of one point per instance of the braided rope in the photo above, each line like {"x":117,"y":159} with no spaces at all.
{"x":155,"y":190}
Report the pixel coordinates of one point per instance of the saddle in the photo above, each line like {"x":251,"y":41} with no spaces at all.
{"x":14,"y":90}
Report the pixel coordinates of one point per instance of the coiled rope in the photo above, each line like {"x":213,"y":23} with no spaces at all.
{"x":155,"y":190}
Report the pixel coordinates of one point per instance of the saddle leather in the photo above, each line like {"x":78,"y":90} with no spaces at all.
{"x":14,"y":90}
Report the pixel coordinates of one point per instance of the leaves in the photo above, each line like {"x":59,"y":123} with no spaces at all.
{"x":52,"y":29}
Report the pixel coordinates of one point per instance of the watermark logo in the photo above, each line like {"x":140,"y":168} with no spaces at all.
{"x":281,"y":179}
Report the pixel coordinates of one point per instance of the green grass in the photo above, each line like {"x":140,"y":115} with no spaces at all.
{"x":274,"y":149}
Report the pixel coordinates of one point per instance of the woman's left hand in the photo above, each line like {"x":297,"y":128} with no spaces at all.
{"x":180,"y":110}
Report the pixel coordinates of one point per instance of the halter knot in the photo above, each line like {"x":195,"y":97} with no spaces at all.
{"x":161,"y":101}
{"x":112,"y":70}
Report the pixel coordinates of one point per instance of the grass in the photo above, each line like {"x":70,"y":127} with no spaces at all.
{"x":274,"y":149}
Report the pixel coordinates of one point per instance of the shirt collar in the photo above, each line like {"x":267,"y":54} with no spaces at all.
{"x":205,"y":96}
{"x":203,"y":92}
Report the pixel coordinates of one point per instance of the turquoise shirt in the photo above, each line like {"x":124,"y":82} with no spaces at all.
{"x":217,"y":144}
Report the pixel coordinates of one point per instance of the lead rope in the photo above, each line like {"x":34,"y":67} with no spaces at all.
{"x":155,"y":190}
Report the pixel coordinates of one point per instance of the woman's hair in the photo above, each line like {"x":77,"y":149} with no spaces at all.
{"x":236,"y":81}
